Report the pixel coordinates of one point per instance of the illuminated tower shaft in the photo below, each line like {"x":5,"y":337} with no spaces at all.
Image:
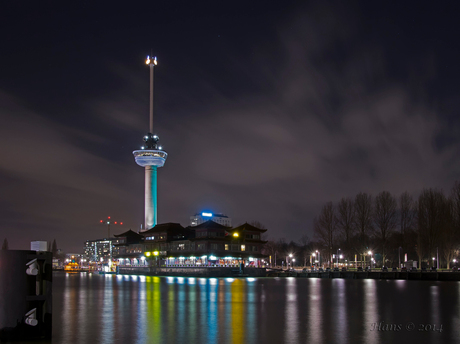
{"x":151,"y":157}
{"x":150,"y":196}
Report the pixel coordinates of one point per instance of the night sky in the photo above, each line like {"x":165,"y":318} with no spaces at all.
{"x":266,"y":110}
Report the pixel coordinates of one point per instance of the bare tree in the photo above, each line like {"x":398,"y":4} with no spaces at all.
{"x":281,"y":249}
{"x":407,"y":212}
{"x":257,"y":224}
{"x":305,"y":248}
{"x":363,"y":219}
{"x":270,"y":250}
{"x":385,"y":219}
{"x":54,"y":248}
{"x":448,"y":236}
{"x":430,"y":217}
{"x":325,"y":227}
{"x":304,"y":240}
{"x":346,"y":222}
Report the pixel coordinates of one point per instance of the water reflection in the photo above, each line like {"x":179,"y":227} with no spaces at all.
{"x":291,"y":323}
{"x":314,"y":309}
{"x":341,"y":315}
{"x":371,"y":311}
{"x":145,"y":309}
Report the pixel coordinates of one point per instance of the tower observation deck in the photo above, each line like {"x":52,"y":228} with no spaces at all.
{"x":150,"y":156}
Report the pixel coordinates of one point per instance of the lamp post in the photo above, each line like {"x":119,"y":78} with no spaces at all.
{"x":399,"y":256}
{"x":319,"y":257}
{"x":370,"y":254}
{"x":293,"y":262}
{"x":287,"y":261}
{"x":338,"y":257}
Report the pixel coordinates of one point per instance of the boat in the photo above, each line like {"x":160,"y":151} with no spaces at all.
{"x":73,"y":267}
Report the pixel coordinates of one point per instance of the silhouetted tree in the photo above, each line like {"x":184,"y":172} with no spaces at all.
{"x":363,"y":220}
{"x":430,"y":216}
{"x":270,"y":250}
{"x":450,"y":236}
{"x":385,"y":219}
{"x":325,"y":226}
{"x":54,"y":248}
{"x":346,"y":223}
{"x":305,"y":249}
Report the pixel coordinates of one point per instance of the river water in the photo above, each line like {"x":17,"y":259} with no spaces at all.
{"x":91,"y":308}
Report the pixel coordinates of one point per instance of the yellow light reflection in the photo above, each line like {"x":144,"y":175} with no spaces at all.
{"x":238,"y":315}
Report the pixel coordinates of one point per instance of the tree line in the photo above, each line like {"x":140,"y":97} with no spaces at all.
{"x":424,"y":228}
{"x":393,"y":228}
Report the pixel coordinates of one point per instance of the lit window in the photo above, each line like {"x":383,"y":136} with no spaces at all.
{"x":243,"y":247}
{"x":226,"y":247}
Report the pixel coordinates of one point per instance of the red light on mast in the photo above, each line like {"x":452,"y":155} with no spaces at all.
{"x":109,"y":217}
{"x":121,"y":223}
{"x":102,"y":221}
{"x":115,"y":222}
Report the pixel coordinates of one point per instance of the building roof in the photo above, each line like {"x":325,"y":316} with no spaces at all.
{"x":130,"y":234}
{"x":246,"y":227}
{"x":163,"y":227}
{"x":131,"y":237}
{"x":210,"y":224}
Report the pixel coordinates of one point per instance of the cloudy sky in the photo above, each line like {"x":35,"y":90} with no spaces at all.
{"x":266,"y":109}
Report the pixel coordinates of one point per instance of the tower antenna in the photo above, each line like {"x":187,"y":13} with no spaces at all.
{"x":152,"y":62}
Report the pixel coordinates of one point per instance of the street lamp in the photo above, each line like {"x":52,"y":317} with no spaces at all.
{"x":287,"y":261}
{"x":293,"y":262}
{"x":338,"y":257}
{"x":370,"y":254}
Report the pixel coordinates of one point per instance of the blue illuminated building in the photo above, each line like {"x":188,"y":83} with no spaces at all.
{"x":204,"y":216}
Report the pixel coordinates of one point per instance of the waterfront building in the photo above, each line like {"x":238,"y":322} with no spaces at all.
{"x":130,"y":246}
{"x":200,"y":218}
{"x":208,"y":244}
{"x":101,"y":250}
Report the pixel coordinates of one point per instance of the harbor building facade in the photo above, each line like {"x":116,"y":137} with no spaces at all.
{"x":207,"y":244}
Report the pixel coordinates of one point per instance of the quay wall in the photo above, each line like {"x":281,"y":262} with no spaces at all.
{"x":192,"y":271}
{"x":425,"y":276}
{"x":261,"y":272}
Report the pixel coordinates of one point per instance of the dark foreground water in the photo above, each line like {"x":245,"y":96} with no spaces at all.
{"x":90,"y":308}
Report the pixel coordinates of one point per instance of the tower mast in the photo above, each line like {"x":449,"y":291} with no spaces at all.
{"x":152,"y":63}
{"x":151,"y":157}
